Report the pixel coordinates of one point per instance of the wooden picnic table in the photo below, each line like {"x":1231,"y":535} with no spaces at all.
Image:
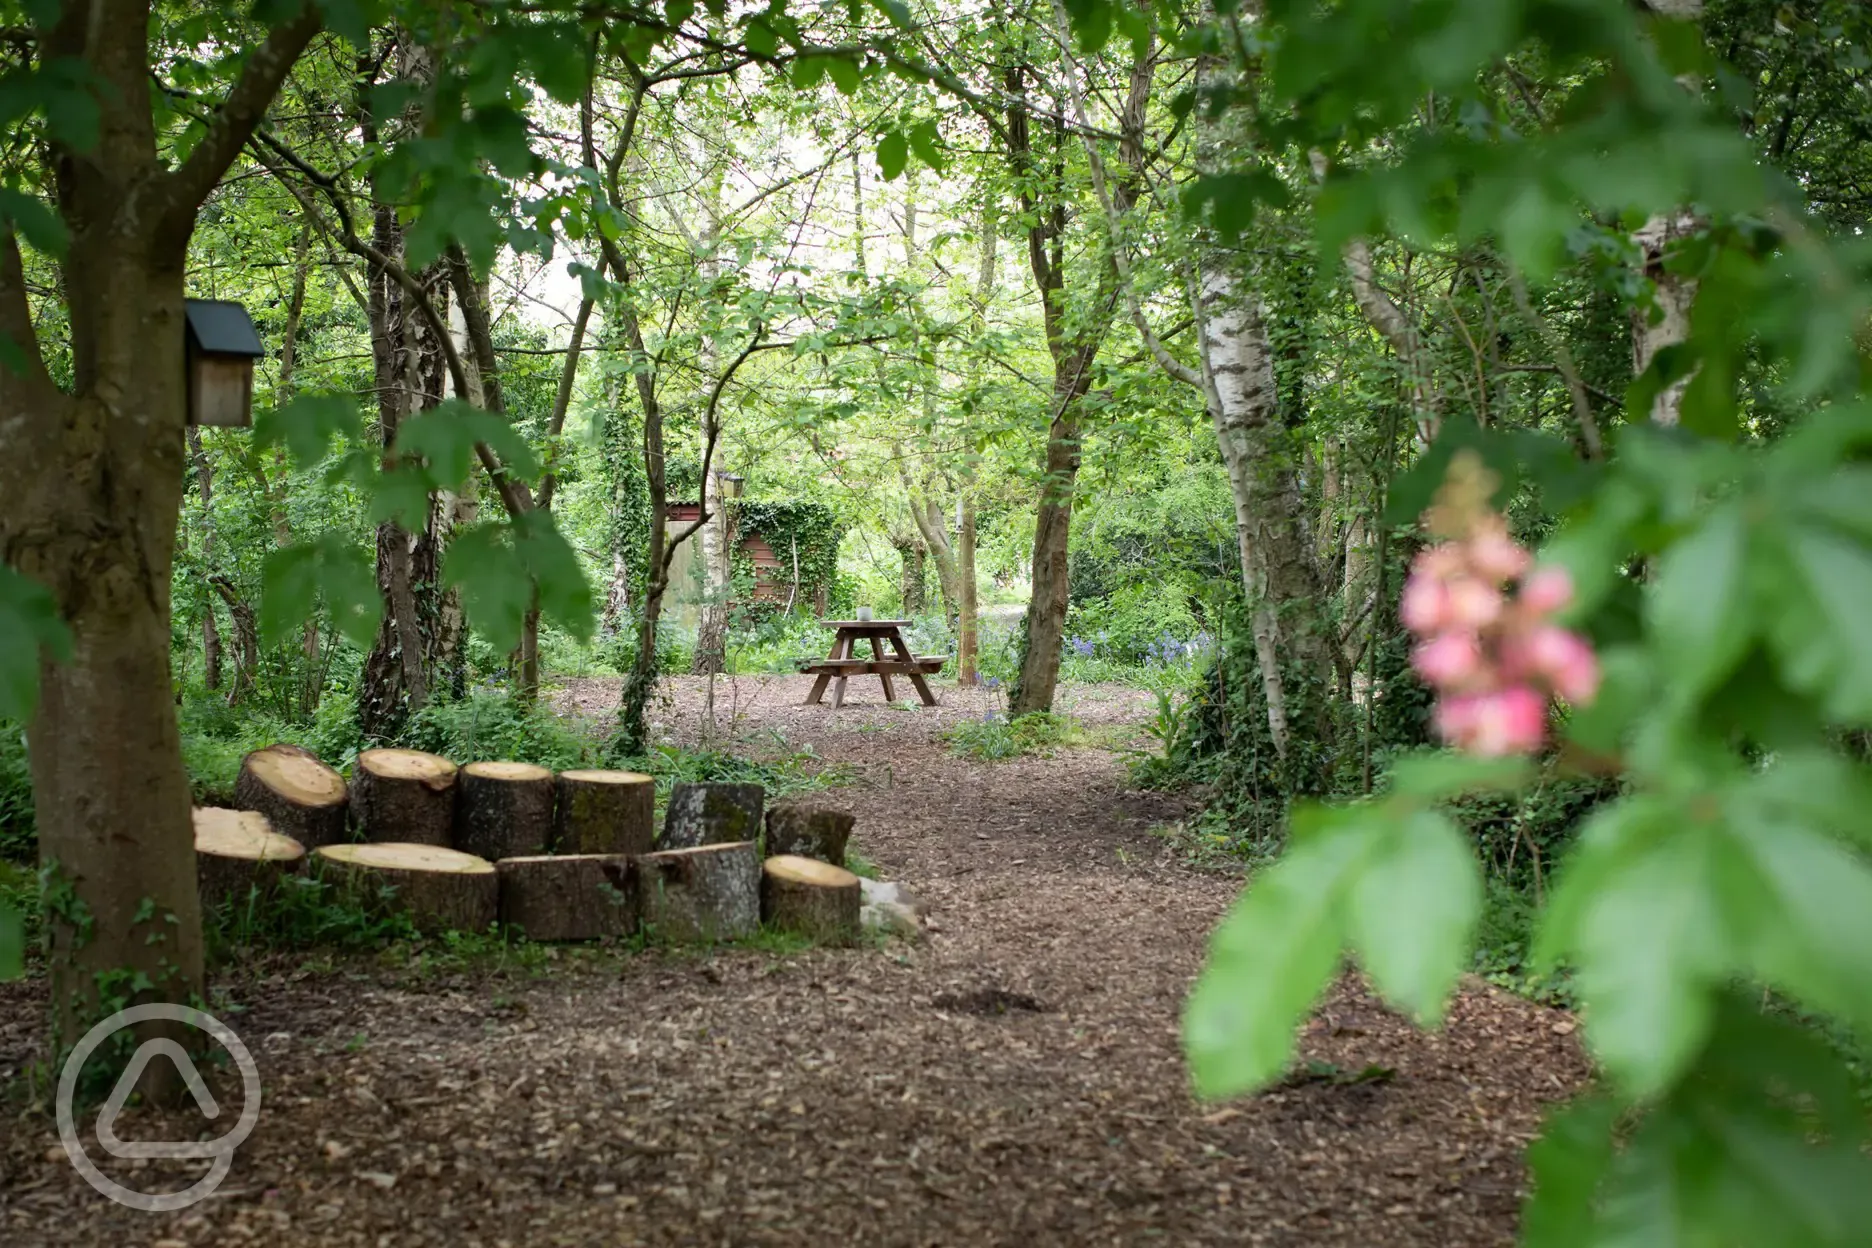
{"x":841,"y":664}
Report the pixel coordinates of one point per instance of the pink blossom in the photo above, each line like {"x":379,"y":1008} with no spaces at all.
{"x":1566,"y":661}
{"x":1546,"y":590}
{"x":1439,"y":562}
{"x":1495,"y":555}
{"x":1448,"y":659}
{"x":1473,"y":604}
{"x":1506,"y":721}
{"x":1455,"y":716}
{"x":1424,"y":607}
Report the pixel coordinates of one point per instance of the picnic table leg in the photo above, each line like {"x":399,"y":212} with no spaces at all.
{"x":877,"y":652}
{"x":916,"y":677}
{"x":839,"y":645}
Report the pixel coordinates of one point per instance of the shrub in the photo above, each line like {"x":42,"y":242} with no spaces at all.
{"x":993,"y":738}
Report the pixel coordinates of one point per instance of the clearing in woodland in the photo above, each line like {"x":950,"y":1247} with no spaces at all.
{"x":1014,"y":1077}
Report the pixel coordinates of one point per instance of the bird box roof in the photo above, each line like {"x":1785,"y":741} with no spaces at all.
{"x":222,"y":327}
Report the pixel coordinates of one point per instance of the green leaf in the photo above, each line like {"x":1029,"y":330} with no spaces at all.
{"x":676,"y":12}
{"x":1698,"y":606}
{"x":1823,"y":633}
{"x":288,"y":591}
{"x":29,"y":621}
{"x":444,"y":438}
{"x":1568,"y":1163}
{"x":1814,"y":937}
{"x":1272,"y":955}
{"x":1650,"y":947}
{"x":1413,"y":912}
{"x":760,"y":38}
{"x":1435,"y":775}
{"x":308,"y":425}
{"x":496,"y":591}
{"x":925,"y":140}
{"x":893,"y":153}
{"x":293,"y":579}
{"x":565,"y":596}
{"x":35,"y":220}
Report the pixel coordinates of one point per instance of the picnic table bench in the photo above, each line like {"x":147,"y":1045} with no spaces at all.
{"x":841,"y":665}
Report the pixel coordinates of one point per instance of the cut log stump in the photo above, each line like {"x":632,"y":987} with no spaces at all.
{"x":440,"y":889}
{"x":809,"y":830}
{"x":503,"y":810}
{"x":404,"y":796}
{"x":810,"y":898}
{"x":712,"y":814}
{"x":237,"y":853}
{"x":604,"y":812}
{"x":569,"y":896}
{"x":708,"y":893}
{"x":299,"y":795}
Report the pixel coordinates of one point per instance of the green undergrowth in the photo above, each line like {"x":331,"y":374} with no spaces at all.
{"x":995,"y":739}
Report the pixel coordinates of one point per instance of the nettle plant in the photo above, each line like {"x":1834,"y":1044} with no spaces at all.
{"x":1730,"y":591}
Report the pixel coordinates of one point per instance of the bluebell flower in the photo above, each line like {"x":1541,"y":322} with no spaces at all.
{"x":1081,"y":647}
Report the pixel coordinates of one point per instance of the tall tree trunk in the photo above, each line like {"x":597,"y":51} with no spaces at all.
{"x":1262,"y":456}
{"x":211,"y":632}
{"x":1666,"y":321}
{"x":712,"y":627}
{"x":1073,"y":351}
{"x":91,"y":488}
{"x":913,"y":560}
{"x":968,"y":642}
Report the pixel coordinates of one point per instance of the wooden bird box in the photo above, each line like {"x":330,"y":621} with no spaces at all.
{"x":222,"y":347}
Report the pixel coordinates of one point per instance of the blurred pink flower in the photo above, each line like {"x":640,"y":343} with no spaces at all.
{"x":1448,"y":660}
{"x":1507,"y":721}
{"x":1494,"y":555}
{"x":1566,"y":661}
{"x":1424,"y":607}
{"x":1473,"y":604}
{"x":1546,"y":590}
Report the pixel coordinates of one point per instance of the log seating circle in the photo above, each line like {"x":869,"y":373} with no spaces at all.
{"x":237,"y":851}
{"x":465,"y":847}
{"x":299,"y":795}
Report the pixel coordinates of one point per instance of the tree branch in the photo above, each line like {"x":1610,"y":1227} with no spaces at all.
{"x":16,"y":321}
{"x":1172,"y":366}
{"x":182,"y":192}
{"x":568,"y":377}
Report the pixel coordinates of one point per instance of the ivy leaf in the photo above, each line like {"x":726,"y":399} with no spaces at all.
{"x":893,"y":153}
{"x":1414,"y":907}
{"x":29,"y":620}
{"x":308,"y":425}
{"x":1271,"y":957}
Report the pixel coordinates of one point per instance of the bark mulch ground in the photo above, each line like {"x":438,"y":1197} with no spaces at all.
{"x":1013,"y":1079}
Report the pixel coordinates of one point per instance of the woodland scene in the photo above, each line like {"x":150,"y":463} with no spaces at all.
{"x":1069,"y":622}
